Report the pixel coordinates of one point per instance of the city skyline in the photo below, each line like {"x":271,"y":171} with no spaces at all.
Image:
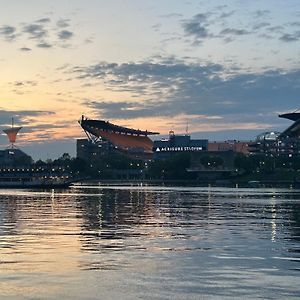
{"x":226,"y":68}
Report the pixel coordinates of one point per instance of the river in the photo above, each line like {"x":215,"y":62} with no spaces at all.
{"x":150,"y":242}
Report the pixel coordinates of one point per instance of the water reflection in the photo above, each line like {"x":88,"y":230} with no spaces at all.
{"x":149,"y":242}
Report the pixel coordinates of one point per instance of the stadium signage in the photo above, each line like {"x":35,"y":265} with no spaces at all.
{"x":177,"y":149}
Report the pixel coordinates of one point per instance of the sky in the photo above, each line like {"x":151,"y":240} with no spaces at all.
{"x":219,"y":69}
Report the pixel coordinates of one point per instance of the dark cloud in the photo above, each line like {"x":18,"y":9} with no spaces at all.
{"x":261,"y":13}
{"x":65,"y":35}
{"x":217,"y":24}
{"x":275,"y":29}
{"x":287,"y":37}
{"x":88,"y":41}
{"x":44,"y":45}
{"x":146,"y":77}
{"x":40,"y":32}
{"x":35,"y":31}
{"x":233,"y":31}
{"x":197,"y":27}
{"x":296,"y":24}
{"x":25,"y":49}
{"x":24,"y":83}
{"x":156,"y":27}
{"x":171,"y":15}
{"x":221,"y":7}
{"x":63,"y":23}
{"x":8,"y":32}
{"x":203,"y":90}
{"x":44,"y":20}
{"x":260,"y":25}
{"x":21,"y":117}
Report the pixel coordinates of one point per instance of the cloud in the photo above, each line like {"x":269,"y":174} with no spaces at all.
{"x":296,"y":24}
{"x":25,"y":49}
{"x":261,"y":13}
{"x":220,"y":23}
{"x":275,"y":29}
{"x":287,"y":37}
{"x":225,"y":15}
{"x":233,"y":31}
{"x":145,"y":78}
{"x":167,"y":90}
{"x":24,"y":83}
{"x":260,"y":25}
{"x":63,"y":23}
{"x":230,"y":34}
{"x":44,"y":45}
{"x":205,"y":26}
{"x":197,"y":27}
{"x":65,"y":35}
{"x":171,"y":15}
{"x":21,"y":117}
{"x":8,"y":32}
{"x":35,"y":31}
{"x":44,"y":20}
{"x":22,"y":87}
{"x":42,"y":33}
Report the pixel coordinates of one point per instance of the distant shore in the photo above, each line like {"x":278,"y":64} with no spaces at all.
{"x":216,"y":183}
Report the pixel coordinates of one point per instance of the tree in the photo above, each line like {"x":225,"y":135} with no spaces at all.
{"x":211,"y":161}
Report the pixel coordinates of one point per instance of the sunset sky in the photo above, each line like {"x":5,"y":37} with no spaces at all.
{"x":227,"y":68}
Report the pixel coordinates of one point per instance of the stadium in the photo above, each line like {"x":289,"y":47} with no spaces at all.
{"x":286,"y":143}
{"x":133,"y":142}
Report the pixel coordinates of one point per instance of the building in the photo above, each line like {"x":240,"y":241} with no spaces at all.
{"x":14,"y":157}
{"x":87,"y":150}
{"x":132,"y":142}
{"x":175,"y":144}
{"x":286,"y":143}
{"x":230,"y":145}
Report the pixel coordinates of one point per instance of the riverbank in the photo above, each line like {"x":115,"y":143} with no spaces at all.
{"x":215,"y":183}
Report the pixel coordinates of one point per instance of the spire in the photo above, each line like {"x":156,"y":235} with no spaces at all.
{"x":187,"y":127}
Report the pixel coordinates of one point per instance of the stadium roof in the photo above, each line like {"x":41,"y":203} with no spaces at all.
{"x":291,"y":116}
{"x":294,"y":129}
{"x":105,"y":125}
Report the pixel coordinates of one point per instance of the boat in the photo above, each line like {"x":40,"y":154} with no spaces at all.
{"x":254,"y":184}
{"x":33,"y":178}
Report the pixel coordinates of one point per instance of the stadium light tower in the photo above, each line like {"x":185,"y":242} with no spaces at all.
{"x":12,"y":133}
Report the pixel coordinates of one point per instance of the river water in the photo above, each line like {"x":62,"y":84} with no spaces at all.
{"x":143,"y":242}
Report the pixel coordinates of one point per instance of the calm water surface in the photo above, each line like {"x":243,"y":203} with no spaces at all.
{"x":137,"y":242}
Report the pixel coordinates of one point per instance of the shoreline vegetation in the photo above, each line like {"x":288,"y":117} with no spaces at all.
{"x":256,"y":170}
